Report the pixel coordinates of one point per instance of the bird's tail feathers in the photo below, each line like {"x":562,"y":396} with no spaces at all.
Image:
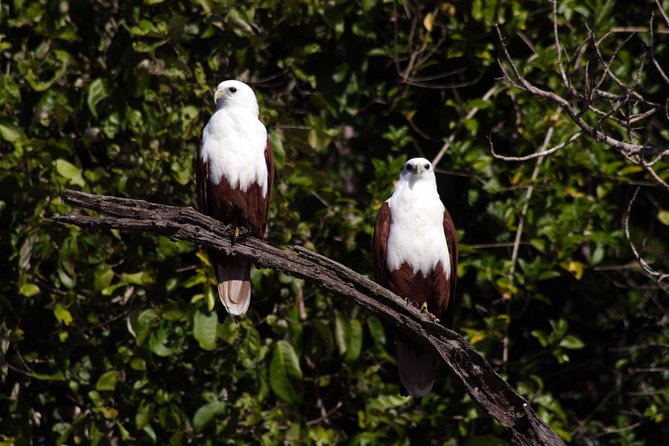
{"x":417,"y":366}
{"x":234,"y":285}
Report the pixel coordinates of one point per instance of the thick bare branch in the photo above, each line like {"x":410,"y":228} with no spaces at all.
{"x":479,"y":379}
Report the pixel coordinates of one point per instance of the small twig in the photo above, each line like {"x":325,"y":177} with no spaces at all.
{"x":535,"y":155}
{"x":469,"y":115}
{"x":324,"y":414}
{"x":637,"y":29}
{"x":660,"y":182}
{"x":521,"y":224}
{"x":558,"y":47}
{"x":658,"y":276}
{"x":664,"y":14}
{"x":659,"y":69}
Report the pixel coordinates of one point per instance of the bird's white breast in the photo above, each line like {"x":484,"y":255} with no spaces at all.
{"x":234,"y":142}
{"x":417,"y":229}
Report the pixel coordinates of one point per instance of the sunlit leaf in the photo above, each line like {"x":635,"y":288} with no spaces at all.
{"x":107,"y":381}
{"x":205,"y":414}
{"x":96,"y":93}
{"x":9,"y":131}
{"x":572,"y":342}
{"x":62,"y":314}
{"x":428,"y":21}
{"x":29,"y":290}
{"x":663,"y":216}
{"x":70,"y":172}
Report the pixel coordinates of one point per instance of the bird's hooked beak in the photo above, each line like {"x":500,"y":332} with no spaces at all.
{"x":219,"y":99}
{"x":419,"y":168}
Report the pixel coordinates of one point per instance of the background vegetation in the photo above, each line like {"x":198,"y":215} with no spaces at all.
{"x":110,"y":337}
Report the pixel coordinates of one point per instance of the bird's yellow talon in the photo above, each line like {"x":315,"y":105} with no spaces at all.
{"x":424,"y":310}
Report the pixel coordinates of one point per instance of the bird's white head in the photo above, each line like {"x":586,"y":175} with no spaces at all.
{"x":417,"y":169}
{"x":232,"y":93}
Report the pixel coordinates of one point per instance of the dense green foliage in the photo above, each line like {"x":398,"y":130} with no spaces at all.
{"x":111,"y":336}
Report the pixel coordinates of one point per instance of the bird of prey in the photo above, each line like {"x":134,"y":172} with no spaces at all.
{"x":415,"y":255}
{"x":234,"y":175}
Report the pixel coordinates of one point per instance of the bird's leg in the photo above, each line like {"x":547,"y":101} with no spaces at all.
{"x":233,"y":231}
{"x":424,"y":310}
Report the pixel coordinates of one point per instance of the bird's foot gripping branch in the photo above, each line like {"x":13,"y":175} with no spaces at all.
{"x":480,"y":380}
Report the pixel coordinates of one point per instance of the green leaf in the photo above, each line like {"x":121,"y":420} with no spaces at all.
{"x":204,"y":329}
{"x":284,"y":371}
{"x":39,"y":86}
{"x":143,"y":415}
{"x":541,"y":337}
{"x":572,"y":342}
{"x":96,"y":93}
{"x":158,"y":341}
{"x":70,"y":172}
{"x":140,"y":278}
{"x":206,"y":413}
{"x":663,"y":216}
{"x":29,"y":290}
{"x":342,"y":332}
{"x":354,"y":341}
{"x":55,"y":376}
{"x":107,"y":381}
{"x":125,"y":435}
{"x":103,"y":277}
{"x":62,"y":314}
{"x":576,"y":268}
{"x":9,"y":131}
{"x":377,"y":331}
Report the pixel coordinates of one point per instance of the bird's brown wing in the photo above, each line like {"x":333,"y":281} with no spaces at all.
{"x":201,"y":175}
{"x":380,"y":245}
{"x":269,"y":160}
{"x":452,"y":243}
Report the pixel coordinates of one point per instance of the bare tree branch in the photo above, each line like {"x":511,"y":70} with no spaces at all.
{"x":521,"y":226}
{"x":658,"y":276}
{"x":535,"y":155}
{"x":659,"y":69}
{"x":479,"y":379}
{"x":558,"y":47}
{"x":494,"y":89}
{"x":664,"y":14}
{"x":518,"y":80}
{"x":608,"y":106}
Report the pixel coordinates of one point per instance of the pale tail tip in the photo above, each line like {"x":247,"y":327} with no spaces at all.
{"x":235,"y":295}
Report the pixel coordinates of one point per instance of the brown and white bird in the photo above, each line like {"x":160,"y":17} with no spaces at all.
{"x":235,"y":173}
{"x":415,"y":256}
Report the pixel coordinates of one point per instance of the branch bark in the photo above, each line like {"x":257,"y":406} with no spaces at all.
{"x":478,"y":377}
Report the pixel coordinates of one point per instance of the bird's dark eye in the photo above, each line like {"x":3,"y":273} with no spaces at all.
{"x":233,"y":89}
{"x":427,"y":167}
